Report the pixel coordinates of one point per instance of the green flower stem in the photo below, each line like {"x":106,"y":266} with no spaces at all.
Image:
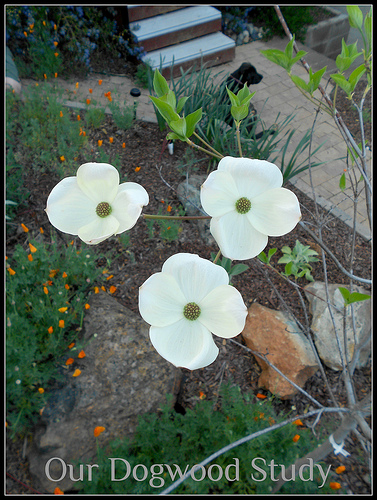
{"x":176,"y":217}
{"x":208,"y":145}
{"x":239,"y":137}
{"x":217,"y":257}
{"x":193,"y":145}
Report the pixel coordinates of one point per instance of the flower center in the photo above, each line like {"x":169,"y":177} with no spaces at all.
{"x":103,"y":209}
{"x":191,"y":311}
{"x":243,"y":205}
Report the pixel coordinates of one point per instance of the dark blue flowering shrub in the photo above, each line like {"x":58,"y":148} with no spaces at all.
{"x":49,"y":40}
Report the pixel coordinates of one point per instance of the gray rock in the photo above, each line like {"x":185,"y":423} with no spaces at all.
{"x":189,"y":195}
{"x":122,"y":377}
{"x":323,"y":327}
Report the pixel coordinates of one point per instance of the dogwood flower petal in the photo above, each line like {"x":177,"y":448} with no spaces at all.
{"x":93,"y":205}
{"x":236,"y":237}
{"x":185,"y":303}
{"x":185,"y":344}
{"x":247,"y":204}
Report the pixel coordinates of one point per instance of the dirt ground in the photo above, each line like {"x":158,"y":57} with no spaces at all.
{"x":145,"y":253}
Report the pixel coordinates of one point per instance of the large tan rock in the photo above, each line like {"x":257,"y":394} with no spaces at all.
{"x":275,"y":335}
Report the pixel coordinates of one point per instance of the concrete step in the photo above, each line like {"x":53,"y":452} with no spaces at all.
{"x":175,"y":27}
{"x":213,"y":49}
{"x":138,"y":12}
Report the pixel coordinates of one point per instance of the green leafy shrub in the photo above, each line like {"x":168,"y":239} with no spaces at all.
{"x":40,"y":280}
{"x":297,"y":260}
{"x":185,"y":440}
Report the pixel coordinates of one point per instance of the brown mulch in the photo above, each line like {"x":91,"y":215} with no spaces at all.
{"x":144,"y":255}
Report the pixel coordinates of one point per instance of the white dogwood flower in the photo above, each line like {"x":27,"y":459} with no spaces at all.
{"x":185,"y":302}
{"x":247,"y":204}
{"x":93,"y":205}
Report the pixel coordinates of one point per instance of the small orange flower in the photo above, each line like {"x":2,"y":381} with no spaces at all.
{"x":69,"y":361}
{"x":30,"y":257}
{"x":45,"y":76}
{"x":66,"y":286}
{"x":88,"y":101}
{"x":124,"y":145}
{"x":24,"y":228}
{"x":55,"y":75}
{"x":25,"y":33}
{"x":99,"y":82}
{"x":62,"y":158}
{"x":98,"y":430}
{"x":45,"y":289}
{"x":41,"y":230}
{"x":62,"y":309}
{"x":64,"y":275}
{"x":56,"y":44}
{"x":298,"y":422}
{"x":340,"y":469}
{"x":111,"y":139}
{"x":137,"y":169}
{"x":32,"y":248}
{"x":202,"y":395}
{"x":103,"y":288}
{"x":77,"y":85}
{"x":261,"y":396}
{"x":335,"y":486}
{"x":44,"y":23}
{"x":56,"y":54}
{"x":169,"y":208}
{"x":50,"y":330}
{"x":61,"y":114}
{"x":112,"y":289}
{"x":87,"y":306}
{"x":110,"y":98}
{"x":61,"y":323}
{"x":57,"y":490}
{"x":168,"y":228}
{"x":90,"y":91}
{"x":81,"y":354}
{"x":71,"y":345}
{"x":100,"y":142}
{"x":55,"y":27}
{"x":109,"y":277}
{"x":96,"y":289}
{"x":296,"y":438}
{"x":78,"y":118}
{"x":53,"y":273}
{"x":76,"y":373}
{"x":11,"y":272}
{"x":41,"y":390}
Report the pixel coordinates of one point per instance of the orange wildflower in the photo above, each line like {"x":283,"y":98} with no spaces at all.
{"x":62,"y":158}
{"x":61,"y":114}
{"x":90,"y":91}
{"x":100,"y":142}
{"x":32,"y":248}
{"x":103,"y":288}
{"x":201,"y":395}
{"x":76,"y":373}
{"x":11,"y":272}
{"x":137,"y":169}
{"x":78,"y":118}
{"x":340,"y":469}
{"x":64,"y":275}
{"x":261,"y":396}
{"x":96,"y":289}
{"x":61,"y":323}
{"x":57,"y":490}
{"x":62,"y":309}
{"x":112,"y":289}
{"x":88,"y":101}
{"x":56,"y":54}
{"x":55,"y":75}
{"x":71,"y":345}
{"x":45,"y":76}
{"x":30,"y":257}
{"x":45,"y":289}
{"x":81,"y":354}
{"x":66,"y":286}
{"x":111,"y":139}
{"x":109,"y":277}
{"x":98,"y":430}
{"x":77,"y":85}
{"x":41,"y":390}
{"x":169,"y":208}
{"x":56,"y":44}
{"x":69,"y":361}
{"x":99,"y":82}
{"x":296,"y":438}
{"x":53,"y":273}
{"x":87,"y":306}
{"x":123,"y":145}
{"x":24,"y":228}
{"x":41,"y":230}
{"x":335,"y":486}
{"x":50,"y":330}
{"x":298,"y":422}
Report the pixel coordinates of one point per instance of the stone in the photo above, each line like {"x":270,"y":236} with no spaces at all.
{"x":323,"y":327}
{"x":122,"y":377}
{"x":189,"y":195}
{"x":274,"y":334}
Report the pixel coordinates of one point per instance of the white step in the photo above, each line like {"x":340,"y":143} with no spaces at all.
{"x":185,"y":52}
{"x":173,"y":22}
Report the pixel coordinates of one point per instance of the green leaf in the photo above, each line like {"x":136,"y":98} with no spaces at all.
{"x":179,"y":127}
{"x":343,"y":83}
{"x":233,"y":98}
{"x":165,"y":109}
{"x":191,"y":120}
{"x":263,"y":257}
{"x":355,"y":17}
{"x":286,"y":249}
{"x":239,"y":112}
{"x":181,"y":103}
{"x":356,"y":75}
{"x":368,"y":30}
{"x":288,"y":268}
{"x":342,"y":181}
{"x":160,"y":85}
{"x":285,"y":259}
{"x":238,"y":269}
{"x":350,"y":298}
{"x":299,"y":82}
{"x":271,"y":252}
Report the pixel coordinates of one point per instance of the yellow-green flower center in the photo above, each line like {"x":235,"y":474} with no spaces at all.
{"x":103,"y":209}
{"x":243,"y":205}
{"x":191,"y":311}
